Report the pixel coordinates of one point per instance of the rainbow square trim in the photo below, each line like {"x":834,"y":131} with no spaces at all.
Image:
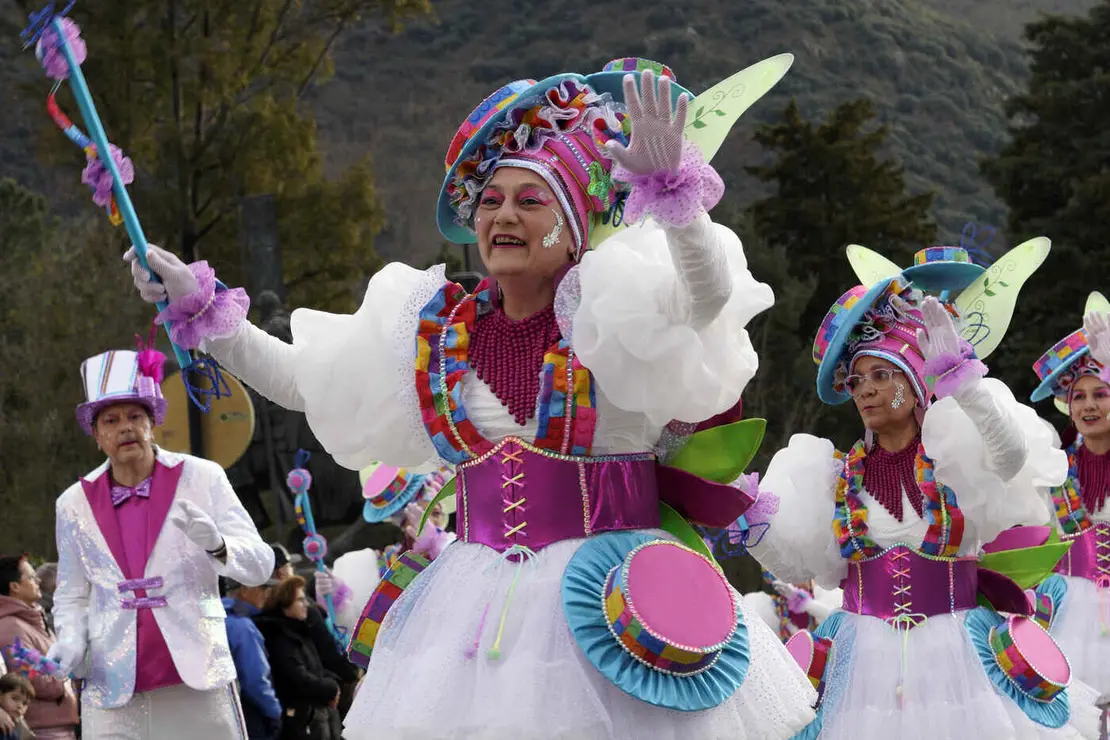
{"x":831,"y":322}
{"x":1061,"y":354}
{"x":1023,"y":674}
{"x":940,"y":254}
{"x":403,"y":572}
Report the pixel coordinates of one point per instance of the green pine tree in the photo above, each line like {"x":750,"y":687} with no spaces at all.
{"x":833,"y":187}
{"x":1053,"y":179}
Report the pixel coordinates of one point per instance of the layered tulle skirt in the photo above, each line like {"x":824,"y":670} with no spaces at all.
{"x":432,"y":674}
{"x":928,"y":684}
{"x":1082,"y":630}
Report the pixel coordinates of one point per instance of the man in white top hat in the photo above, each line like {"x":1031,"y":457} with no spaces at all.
{"x":142,"y":541}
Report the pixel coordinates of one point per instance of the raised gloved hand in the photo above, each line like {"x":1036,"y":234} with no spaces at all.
{"x":177,"y":279}
{"x":325,"y":584}
{"x":1097,"y":326}
{"x":939,"y":337}
{"x":68,"y":652}
{"x":657,"y":135}
{"x":197,"y":525}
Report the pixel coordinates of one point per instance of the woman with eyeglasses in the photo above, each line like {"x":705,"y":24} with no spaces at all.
{"x":947,"y":460}
{"x":308,"y":692}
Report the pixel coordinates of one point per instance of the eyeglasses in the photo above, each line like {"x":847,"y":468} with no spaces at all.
{"x":880,"y":380}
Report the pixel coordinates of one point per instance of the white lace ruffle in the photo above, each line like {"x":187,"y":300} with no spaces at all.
{"x":961,"y":460}
{"x":799,"y":544}
{"x":356,"y":371}
{"x":646,"y":359}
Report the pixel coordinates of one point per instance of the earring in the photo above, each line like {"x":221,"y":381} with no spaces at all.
{"x":899,"y":396}
{"x":552,"y":237}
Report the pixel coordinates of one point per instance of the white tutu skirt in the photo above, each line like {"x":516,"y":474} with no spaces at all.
{"x":421,"y":683}
{"x":1081,"y":631}
{"x":946,"y":692}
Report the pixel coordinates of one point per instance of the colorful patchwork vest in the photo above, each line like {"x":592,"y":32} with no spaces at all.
{"x":903,"y":584}
{"x":1089,"y":555}
{"x":516,"y":492}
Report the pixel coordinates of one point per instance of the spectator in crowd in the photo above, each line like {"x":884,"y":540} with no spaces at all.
{"x":16,"y":694}
{"x":261,"y":708}
{"x":308,"y":692}
{"x":283,"y":562}
{"x":48,"y":579}
{"x":52,"y":714}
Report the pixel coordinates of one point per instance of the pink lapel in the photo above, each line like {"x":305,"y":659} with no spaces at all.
{"x":163,"y":491}
{"x":100,"y":499}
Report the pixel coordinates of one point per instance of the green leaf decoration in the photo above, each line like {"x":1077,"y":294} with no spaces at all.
{"x":700,"y":112}
{"x":990,"y":293}
{"x":699,"y":123}
{"x":1028,"y":566}
{"x":722,"y":453}
{"x":1003,"y":283}
{"x":671,"y":521}
{"x":447,"y":490}
{"x":719,"y":112}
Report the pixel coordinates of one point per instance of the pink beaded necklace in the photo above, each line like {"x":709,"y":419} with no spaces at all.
{"x":1094,"y":478}
{"x":508,"y":356}
{"x":887,"y":474}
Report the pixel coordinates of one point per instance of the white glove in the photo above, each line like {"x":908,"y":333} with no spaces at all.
{"x":1097,"y":325}
{"x":784,"y":588}
{"x":939,"y":336}
{"x":69,"y":654}
{"x":657,"y":135}
{"x":325,"y":584}
{"x":177,"y":280}
{"x":197,"y":525}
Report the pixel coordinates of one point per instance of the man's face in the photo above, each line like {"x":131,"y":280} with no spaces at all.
{"x":124,"y":433}
{"x":26,"y":589}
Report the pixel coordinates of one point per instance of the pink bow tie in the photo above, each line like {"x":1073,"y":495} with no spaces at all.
{"x":121,"y":494}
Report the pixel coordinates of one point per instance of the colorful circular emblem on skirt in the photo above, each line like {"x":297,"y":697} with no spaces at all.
{"x":657,"y":619}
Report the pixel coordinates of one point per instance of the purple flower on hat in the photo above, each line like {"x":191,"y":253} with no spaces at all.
{"x":97,"y":176}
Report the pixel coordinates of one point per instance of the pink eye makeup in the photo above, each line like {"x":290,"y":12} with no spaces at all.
{"x":492,"y":198}
{"x":533,"y":193}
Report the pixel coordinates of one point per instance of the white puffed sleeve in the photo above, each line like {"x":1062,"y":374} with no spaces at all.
{"x":352,"y":374}
{"x":659,"y":318}
{"x":799,"y":544}
{"x":966,"y":463}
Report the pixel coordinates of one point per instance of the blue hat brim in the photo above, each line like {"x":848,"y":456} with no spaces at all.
{"x":1045,"y":389}
{"x":826,"y":371}
{"x":375,"y":514}
{"x":935,"y":277}
{"x":603,"y":82}
{"x":1054,"y":714}
{"x":583,"y":586}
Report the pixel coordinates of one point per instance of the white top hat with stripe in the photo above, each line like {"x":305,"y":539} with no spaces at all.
{"x":121,"y":376}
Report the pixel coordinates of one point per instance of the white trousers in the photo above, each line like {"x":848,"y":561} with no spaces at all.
{"x":172,"y":713}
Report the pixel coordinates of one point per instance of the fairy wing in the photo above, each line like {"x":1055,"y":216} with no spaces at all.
{"x":987,"y":305}
{"x":870,"y":266}
{"x":712,"y":114}
{"x":1096,"y":302}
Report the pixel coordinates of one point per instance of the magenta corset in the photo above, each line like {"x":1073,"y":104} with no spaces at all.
{"x":903,"y":583}
{"x":518,"y":494}
{"x":1089,"y":555}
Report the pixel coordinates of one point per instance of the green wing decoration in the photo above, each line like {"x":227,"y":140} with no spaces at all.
{"x":870,"y":266}
{"x":713,"y":113}
{"x":1027,"y":566}
{"x":447,"y":490}
{"x":671,"y":521}
{"x":721,"y":454}
{"x":987,"y":305}
{"x":1096,"y":302}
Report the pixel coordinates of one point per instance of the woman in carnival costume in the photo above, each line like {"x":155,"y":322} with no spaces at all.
{"x":792,"y":607}
{"x":1075,"y":602}
{"x":913,"y":655}
{"x":563,"y":611}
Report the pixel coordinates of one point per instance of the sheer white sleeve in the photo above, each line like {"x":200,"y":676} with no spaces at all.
{"x":352,"y":374}
{"x":976,"y":443}
{"x":660,"y":317}
{"x":799,"y":544}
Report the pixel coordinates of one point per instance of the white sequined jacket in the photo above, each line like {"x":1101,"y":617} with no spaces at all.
{"x":88,"y":602}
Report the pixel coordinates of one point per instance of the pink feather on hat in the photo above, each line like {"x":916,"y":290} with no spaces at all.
{"x":152,"y":363}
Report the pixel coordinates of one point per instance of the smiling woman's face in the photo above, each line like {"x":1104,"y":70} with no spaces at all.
{"x":516,"y":211}
{"x":1089,"y":407}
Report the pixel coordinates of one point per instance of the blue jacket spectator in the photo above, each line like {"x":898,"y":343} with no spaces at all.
{"x":261,"y":707}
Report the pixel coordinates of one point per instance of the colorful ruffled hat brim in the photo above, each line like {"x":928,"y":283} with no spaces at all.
{"x":375,"y":514}
{"x":1053,"y":714}
{"x":583,"y":586}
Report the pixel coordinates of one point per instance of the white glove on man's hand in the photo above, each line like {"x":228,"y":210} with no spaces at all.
{"x":197,"y":525}
{"x":1097,"y":326}
{"x":177,"y":279}
{"x":939,"y":336}
{"x":68,"y":653}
